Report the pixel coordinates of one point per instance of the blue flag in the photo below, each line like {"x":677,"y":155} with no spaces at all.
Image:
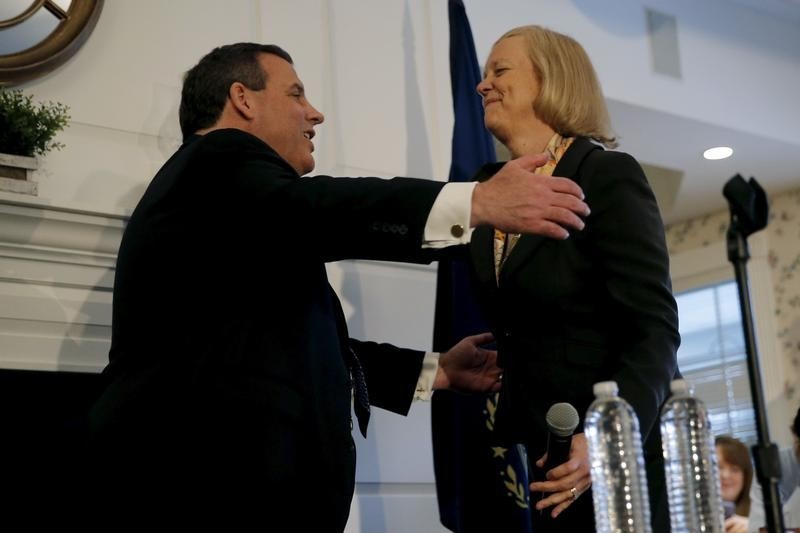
{"x":481,"y":482}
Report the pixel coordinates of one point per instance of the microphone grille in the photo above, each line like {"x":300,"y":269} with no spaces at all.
{"x":562,"y":419}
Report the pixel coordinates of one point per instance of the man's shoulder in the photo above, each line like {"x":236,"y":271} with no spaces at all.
{"x":232,"y":148}
{"x":789,"y":464}
{"x":229,"y":139}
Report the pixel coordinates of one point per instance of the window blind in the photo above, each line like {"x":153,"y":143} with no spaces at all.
{"x":712,"y":357}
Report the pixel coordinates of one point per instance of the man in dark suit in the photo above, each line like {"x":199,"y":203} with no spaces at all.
{"x":230,"y":367}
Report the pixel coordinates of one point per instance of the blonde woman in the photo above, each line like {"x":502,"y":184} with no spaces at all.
{"x":596,"y":306}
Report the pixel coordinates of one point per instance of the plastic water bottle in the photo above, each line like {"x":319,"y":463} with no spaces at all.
{"x":690,"y":463}
{"x":619,"y":481}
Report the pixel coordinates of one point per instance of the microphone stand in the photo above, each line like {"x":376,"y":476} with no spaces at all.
{"x":749,"y":213}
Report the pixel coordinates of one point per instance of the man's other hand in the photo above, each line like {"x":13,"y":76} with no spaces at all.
{"x":469,"y":368}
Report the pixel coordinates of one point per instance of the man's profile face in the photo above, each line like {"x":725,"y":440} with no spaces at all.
{"x":285,"y":120}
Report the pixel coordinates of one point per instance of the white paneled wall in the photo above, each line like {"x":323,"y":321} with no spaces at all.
{"x":392,"y":303}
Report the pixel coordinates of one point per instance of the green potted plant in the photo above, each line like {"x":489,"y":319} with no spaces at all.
{"x":27,"y":130}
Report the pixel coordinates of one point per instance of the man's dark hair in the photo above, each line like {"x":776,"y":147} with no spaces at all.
{"x":796,"y":424}
{"x":206,"y":85}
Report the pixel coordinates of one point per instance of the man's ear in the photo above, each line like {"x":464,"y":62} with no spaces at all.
{"x":239,"y":96}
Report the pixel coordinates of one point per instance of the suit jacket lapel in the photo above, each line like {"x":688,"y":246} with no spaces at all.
{"x":570,"y":163}
{"x":525,"y":247}
{"x":567,"y":167}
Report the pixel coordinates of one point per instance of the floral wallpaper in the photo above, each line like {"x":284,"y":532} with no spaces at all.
{"x":783,"y":232}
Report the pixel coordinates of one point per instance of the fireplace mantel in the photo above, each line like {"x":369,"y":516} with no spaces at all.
{"x":56,"y":275}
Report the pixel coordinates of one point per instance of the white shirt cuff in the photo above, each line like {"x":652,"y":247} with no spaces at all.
{"x":448,"y":221}
{"x":430,"y":365}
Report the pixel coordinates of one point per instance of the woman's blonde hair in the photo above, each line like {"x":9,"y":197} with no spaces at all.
{"x":570,"y":99}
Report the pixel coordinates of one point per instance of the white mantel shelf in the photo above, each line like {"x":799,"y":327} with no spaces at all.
{"x":56,"y":276}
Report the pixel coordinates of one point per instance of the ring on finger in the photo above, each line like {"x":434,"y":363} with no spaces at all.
{"x":574,"y":492}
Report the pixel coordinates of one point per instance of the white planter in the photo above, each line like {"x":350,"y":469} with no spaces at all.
{"x":16,"y":172}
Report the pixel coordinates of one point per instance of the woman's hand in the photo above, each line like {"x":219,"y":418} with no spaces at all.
{"x":567,"y":481}
{"x":736,"y":524}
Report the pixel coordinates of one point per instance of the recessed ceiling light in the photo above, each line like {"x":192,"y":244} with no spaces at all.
{"x":718,"y":152}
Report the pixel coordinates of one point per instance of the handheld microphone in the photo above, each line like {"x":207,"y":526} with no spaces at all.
{"x":562,"y":419}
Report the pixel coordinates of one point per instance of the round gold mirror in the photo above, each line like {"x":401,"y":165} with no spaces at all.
{"x":36,"y":36}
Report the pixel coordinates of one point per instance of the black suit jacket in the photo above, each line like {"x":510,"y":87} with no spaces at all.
{"x":227,"y":381}
{"x":595,"y":307}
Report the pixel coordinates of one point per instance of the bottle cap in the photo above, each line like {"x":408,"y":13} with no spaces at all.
{"x":605,"y":388}
{"x":680,"y":386}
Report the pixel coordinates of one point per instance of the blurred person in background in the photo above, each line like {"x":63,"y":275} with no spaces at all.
{"x":736,"y":477}
{"x":787,"y":486}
